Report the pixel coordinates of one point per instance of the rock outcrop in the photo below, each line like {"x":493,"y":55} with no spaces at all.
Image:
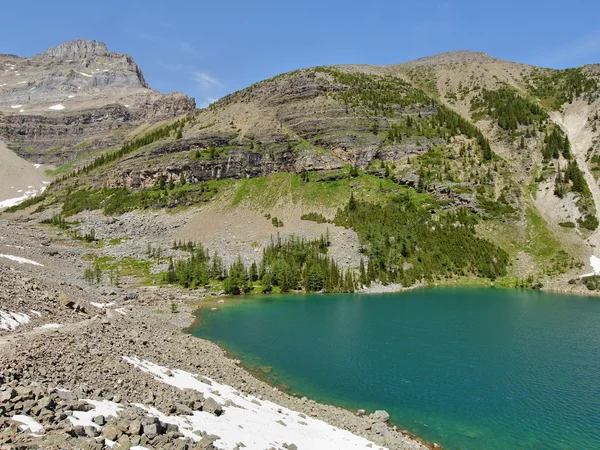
{"x":74,"y":92}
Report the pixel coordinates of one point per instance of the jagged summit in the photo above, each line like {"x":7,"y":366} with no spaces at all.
{"x":79,"y":75}
{"x":77,"y":49}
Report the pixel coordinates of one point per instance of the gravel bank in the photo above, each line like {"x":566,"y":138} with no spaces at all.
{"x":52,"y":374}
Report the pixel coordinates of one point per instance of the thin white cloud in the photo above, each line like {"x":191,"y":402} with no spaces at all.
{"x":205,"y":81}
{"x":148,"y":37}
{"x":208,"y":101}
{"x":189,"y":49}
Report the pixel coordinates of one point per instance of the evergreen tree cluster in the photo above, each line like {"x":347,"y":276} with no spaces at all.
{"x":562,"y":86}
{"x":555,"y":144}
{"x":406,"y":243}
{"x":288,"y":264}
{"x":508,"y":108}
{"x":196,"y":271}
{"x":444,"y":124}
{"x":570,"y":179}
{"x":376,"y":95}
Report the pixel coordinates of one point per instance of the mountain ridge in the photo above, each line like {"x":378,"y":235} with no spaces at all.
{"x":438,"y":125}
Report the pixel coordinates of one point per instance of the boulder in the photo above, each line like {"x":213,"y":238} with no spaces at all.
{"x":381,"y":415}
{"x":152,"y":430}
{"x":111,"y":432}
{"x":64,"y":300}
{"x":135,"y":428}
{"x":210,"y":405}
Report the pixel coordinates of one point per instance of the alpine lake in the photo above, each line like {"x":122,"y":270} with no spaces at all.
{"x":467,"y":368}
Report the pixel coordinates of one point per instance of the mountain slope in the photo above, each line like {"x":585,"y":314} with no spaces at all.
{"x":468,"y":130}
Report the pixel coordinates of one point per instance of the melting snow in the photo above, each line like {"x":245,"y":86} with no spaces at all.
{"x":595,"y":263}
{"x":28,"y":423}
{"x":256,"y":423}
{"x":10,"y":321}
{"x":85,"y":75}
{"x":21,"y":260}
{"x":27,"y":195}
{"x":56,"y":107}
{"x":121,"y":311}
{"x":15,"y":106}
{"x":13,"y":201}
{"x":71,"y":96}
{"x":37,"y":166}
{"x":104,"y":408}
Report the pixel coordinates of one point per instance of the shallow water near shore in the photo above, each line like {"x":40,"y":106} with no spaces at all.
{"x":464,"y":367}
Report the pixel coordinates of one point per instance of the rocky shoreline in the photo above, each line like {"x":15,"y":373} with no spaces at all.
{"x":82,"y":359}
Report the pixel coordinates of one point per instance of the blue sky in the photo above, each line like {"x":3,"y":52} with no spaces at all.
{"x":208,"y":49}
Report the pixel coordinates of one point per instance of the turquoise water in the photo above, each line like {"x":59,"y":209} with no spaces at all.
{"x":466,"y":368}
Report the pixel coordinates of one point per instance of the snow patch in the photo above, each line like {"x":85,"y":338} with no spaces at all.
{"x":28,"y":423}
{"x":595,"y":263}
{"x":257,"y":423}
{"x":101,"y":305}
{"x":26,"y":196}
{"x":37,"y":166}
{"x":52,"y":325}
{"x":57,"y":107}
{"x":21,"y":260}
{"x":121,"y":311}
{"x":104,"y":408}
{"x":86,"y":74}
{"x":10,"y":321}
{"x":15,"y":106}
{"x":15,"y":246}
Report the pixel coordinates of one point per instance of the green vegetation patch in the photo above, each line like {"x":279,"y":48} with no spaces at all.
{"x":117,"y":201}
{"x":106,"y":268}
{"x":557,"y":87}
{"x":291,"y":264}
{"x":406,"y":243}
{"x":508,"y":108}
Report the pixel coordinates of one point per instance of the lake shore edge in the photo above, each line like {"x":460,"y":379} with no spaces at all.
{"x":322,"y":411}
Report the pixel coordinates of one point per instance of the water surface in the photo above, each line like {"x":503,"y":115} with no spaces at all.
{"x":466,"y":368}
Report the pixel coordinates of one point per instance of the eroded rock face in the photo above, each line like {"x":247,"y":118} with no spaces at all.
{"x":76,"y":91}
{"x":70,"y":73}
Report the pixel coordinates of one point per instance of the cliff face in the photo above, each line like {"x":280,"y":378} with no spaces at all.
{"x":76,"y":91}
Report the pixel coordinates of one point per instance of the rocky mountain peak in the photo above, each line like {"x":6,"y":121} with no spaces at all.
{"x":457,"y":56}
{"x":77,"y":49}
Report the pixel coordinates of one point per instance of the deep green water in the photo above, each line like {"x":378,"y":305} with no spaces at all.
{"x":466,"y":368}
